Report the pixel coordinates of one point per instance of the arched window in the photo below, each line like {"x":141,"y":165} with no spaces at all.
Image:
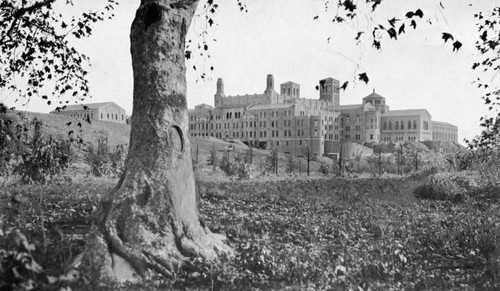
{"x":347,"y":119}
{"x":390,"y":125}
{"x":384,"y":126}
{"x":402,"y":125}
{"x":397,"y":125}
{"x":414,"y":124}
{"x":409,"y":124}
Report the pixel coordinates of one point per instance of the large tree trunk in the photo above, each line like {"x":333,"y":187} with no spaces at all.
{"x":150,"y":221}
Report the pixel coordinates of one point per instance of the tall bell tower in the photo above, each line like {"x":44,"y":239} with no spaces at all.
{"x":272,"y":96}
{"x":329,"y":91}
{"x":219,"y":93}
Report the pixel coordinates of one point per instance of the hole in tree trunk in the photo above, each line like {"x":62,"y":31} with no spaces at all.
{"x":177,"y":138}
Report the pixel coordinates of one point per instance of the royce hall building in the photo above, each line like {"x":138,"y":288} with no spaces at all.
{"x":290,"y":123}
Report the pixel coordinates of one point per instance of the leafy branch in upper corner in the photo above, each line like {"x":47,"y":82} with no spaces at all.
{"x":35,"y":54}
{"x":488,"y":45}
{"x":360,"y":17}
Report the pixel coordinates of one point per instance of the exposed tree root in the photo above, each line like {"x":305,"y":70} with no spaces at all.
{"x":113,"y":254}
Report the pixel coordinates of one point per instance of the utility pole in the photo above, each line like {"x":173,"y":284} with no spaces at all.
{"x":276,"y":163}
{"x":308,"y":160}
{"x":399,"y":159}
{"x":251,"y":155}
{"x":416,"y":159}
{"x":197,"y":156}
{"x":340,"y":159}
{"x":380,"y":161}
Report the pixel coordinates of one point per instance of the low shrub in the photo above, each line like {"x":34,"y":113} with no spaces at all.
{"x":103,"y":161}
{"x":43,"y":157}
{"x":325,"y":169}
{"x":238,"y":168}
{"x":452,"y":186}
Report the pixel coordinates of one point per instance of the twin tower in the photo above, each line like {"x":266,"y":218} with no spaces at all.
{"x":328,"y":91}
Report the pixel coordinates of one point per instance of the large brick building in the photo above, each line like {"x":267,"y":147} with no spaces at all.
{"x":292,"y":123}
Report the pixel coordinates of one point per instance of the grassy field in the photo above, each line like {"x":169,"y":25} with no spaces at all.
{"x":293,"y":234}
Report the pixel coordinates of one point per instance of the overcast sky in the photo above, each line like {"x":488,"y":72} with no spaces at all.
{"x":280,"y":37}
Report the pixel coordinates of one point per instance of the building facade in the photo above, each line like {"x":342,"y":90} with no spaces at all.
{"x":106,"y":111}
{"x":293,"y":124}
{"x":444,"y":131}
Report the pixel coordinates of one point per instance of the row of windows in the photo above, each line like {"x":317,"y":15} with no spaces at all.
{"x":91,"y":115}
{"x":400,"y":138}
{"x":444,"y":136}
{"x":376,"y":102}
{"x":238,"y":115}
{"x":348,"y":119}
{"x":274,"y":123}
{"x":291,"y":91}
{"x":401,"y":125}
{"x":243,"y":134}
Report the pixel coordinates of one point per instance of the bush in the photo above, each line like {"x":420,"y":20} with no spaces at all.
{"x":241,"y":168}
{"x":225,"y":165}
{"x":103,"y":161}
{"x":43,"y":157}
{"x":212,"y":158}
{"x":272,"y":161}
{"x":325,"y":169}
{"x":238,"y":168}
{"x":7,"y":144}
{"x":453,"y":186}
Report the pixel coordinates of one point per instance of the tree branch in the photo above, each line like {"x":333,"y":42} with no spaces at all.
{"x":21,"y":11}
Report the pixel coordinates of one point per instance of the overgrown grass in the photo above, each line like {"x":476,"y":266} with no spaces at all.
{"x":295,"y":234}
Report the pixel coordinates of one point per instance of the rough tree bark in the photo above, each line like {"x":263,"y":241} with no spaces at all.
{"x":150,"y":221}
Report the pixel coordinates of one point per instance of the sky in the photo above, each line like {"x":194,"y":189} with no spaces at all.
{"x":281,"y":37}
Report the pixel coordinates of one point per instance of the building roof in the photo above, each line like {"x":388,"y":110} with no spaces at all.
{"x":329,"y":78}
{"x":351,"y":106}
{"x":271,"y":106}
{"x":81,"y":106}
{"x":374,"y":96}
{"x":442,"y":123}
{"x":290,"y":82}
{"x":407,"y":112}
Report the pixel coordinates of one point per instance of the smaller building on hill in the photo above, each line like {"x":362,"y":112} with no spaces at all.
{"x":444,"y":131}
{"x":105,"y":111}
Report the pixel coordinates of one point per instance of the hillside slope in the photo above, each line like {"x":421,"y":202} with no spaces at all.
{"x":119,"y":134}
{"x":58,"y":125}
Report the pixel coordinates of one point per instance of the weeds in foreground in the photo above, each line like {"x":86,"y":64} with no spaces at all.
{"x":320,"y":240}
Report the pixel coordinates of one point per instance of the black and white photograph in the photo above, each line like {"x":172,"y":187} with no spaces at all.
{"x":249,"y":145}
